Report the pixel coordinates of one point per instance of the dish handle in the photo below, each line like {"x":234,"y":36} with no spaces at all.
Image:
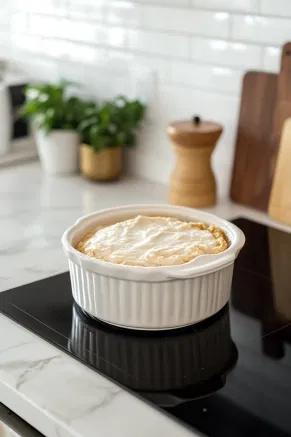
{"x":209,"y":263}
{"x":201,"y":262}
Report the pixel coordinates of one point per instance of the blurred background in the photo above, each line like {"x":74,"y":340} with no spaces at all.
{"x":205,"y":88}
{"x":186,"y":56}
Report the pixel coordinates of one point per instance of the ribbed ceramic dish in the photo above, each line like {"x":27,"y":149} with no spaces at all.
{"x":151,"y":298}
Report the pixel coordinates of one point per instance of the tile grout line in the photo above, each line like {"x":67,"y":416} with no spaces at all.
{"x":197,"y":9}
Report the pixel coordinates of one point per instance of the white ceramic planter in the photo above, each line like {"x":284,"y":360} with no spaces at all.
{"x":58,"y":151}
{"x":5,"y":120}
{"x":151,"y":298}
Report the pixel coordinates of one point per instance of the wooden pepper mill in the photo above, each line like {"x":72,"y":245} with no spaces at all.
{"x":192,"y":182}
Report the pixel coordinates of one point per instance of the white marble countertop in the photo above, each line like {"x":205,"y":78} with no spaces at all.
{"x":53,"y":392}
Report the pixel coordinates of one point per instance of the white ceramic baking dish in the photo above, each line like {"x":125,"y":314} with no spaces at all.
{"x":151,"y":298}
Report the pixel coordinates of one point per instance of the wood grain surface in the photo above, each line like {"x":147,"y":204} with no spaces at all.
{"x":283,"y":103}
{"x":280,"y":200}
{"x":192,"y":182}
{"x":256,"y":149}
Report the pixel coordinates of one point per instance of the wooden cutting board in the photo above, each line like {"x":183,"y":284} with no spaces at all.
{"x":255,"y":147}
{"x":280,"y":200}
{"x":265,"y":105}
{"x":283,"y":103}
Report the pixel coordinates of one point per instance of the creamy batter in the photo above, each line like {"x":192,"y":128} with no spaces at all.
{"x":153,"y":241}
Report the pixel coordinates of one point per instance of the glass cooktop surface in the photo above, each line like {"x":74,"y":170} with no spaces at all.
{"x":227,"y":376}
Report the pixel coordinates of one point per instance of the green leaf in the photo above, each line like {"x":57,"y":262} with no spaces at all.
{"x":120,"y":139}
{"x":50,"y":102}
{"x":113,"y":123}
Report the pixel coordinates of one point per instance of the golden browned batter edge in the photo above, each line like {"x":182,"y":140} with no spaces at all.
{"x":153,"y":241}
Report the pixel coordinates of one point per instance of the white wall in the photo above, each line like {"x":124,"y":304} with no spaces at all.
{"x":199,"y":50}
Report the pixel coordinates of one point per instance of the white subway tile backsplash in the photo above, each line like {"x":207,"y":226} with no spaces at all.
{"x":28,"y":43}
{"x":158,"y":43}
{"x":222,"y":159}
{"x":118,"y":60}
{"x":91,"y":33}
{"x":5,"y":15}
{"x":228,"y":5}
{"x":178,"y":3}
{"x":4,"y":41}
{"x":173,"y":103}
{"x":221,"y":52}
{"x":55,"y":48}
{"x":19,"y":5}
{"x":191,"y":54}
{"x":61,"y":8}
{"x":79,"y":31}
{"x":116,"y":37}
{"x":204,"y":76}
{"x":280,"y":8}
{"x":154,"y":141}
{"x":82,"y":53}
{"x":272,"y":59}
{"x":160,"y":66}
{"x":219,"y":107}
{"x":74,"y":71}
{"x":69,"y":51}
{"x":123,"y":13}
{"x":87,"y":32}
{"x":149,"y":166}
{"x":223,"y":109}
{"x":37,"y":67}
{"x":49,"y":7}
{"x":215,"y":24}
{"x":191,"y":22}
{"x":105,"y":82}
{"x":19,"y":22}
{"x":42,"y":25}
{"x":65,"y":29}
{"x":31,"y":6}
{"x":267,"y":30}
{"x":172,"y":19}
{"x":4,"y":37}
{"x":86,"y":9}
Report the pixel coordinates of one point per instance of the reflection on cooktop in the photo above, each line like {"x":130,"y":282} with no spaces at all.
{"x":167,"y":368}
{"x":262,"y":284}
{"x":227,"y":376}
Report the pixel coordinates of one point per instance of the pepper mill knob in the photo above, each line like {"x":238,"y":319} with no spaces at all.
{"x":192,"y":182}
{"x":196,"y":119}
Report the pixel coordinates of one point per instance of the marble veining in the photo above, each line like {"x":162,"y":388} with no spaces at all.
{"x":64,"y":392}
{"x":36,"y":209}
{"x":53,"y":392}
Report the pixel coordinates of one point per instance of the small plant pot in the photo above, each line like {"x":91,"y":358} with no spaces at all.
{"x":58,"y":151}
{"x":6,"y":120}
{"x":103,"y":165}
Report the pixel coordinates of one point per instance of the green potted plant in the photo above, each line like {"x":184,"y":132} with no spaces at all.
{"x":105,"y":131}
{"x":55,"y":117}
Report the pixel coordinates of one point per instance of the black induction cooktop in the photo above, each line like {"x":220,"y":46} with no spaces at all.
{"x":227,"y":376}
